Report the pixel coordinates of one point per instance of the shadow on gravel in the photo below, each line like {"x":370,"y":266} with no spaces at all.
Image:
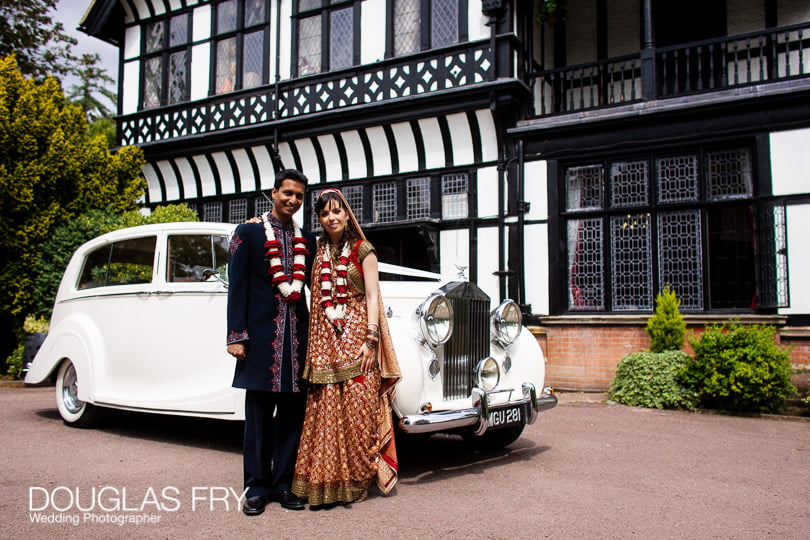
{"x":439,"y":457}
{"x":221,"y":435}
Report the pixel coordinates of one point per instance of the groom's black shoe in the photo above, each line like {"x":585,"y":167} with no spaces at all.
{"x":254,"y":505}
{"x":291,"y":501}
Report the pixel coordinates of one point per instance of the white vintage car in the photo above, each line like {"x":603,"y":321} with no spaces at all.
{"x":139,"y":322}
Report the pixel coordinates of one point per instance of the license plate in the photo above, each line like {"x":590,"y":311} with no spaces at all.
{"x":505,"y":417}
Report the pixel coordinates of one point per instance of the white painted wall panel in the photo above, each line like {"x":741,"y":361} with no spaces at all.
{"x":331,"y":158}
{"x":286,"y":156}
{"x":487,"y":192}
{"x":355,"y":154}
{"x":187,"y":177}
{"x":132,"y":42}
{"x":200,"y":67}
{"x":159,"y":7}
{"x":169,"y":180}
{"x":535,"y":177}
{"x":152,"y":183}
{"x":226,"y":179}
{"x":141,"y":8}
{"x":434,"y":146}
{"x":381,"y":153}
{"x":798,"y":223}
{"x":790,"y":162}
{"x":129,"y":89}
{"x":174,"y":5}
{"x":487,"y":260}
{"x":201,"y":23}
{"x":372,"y":28}
{"x":244,"y":170}
{"x":489,"y":138}
{"x":535,"y":267}
{"x":461,"y":139}
{"x":406,"y":147}
{"x":285,"y":58}
{"x":454,"y":250}
{"x":206,"y":176}
{"x":267,"y":175}
{"x":477,"y":22}
{"x":309,"y":160}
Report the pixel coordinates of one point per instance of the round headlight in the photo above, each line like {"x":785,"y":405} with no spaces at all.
{"x":436,"y":319}
{"x":488,"y":373}
{"x":506,"y":322}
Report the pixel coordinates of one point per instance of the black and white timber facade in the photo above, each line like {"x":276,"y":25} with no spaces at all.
{"x":576,"y":167}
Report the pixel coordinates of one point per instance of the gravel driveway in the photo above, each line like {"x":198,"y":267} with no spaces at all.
{"x":584,"y":470}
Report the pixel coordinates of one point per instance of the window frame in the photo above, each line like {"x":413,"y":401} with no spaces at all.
{"x":325,"y":10}
{"x":240,"y":31}
{"x":658,"y":212}
{"x":164,"y":54}
{"x":425,"y":27}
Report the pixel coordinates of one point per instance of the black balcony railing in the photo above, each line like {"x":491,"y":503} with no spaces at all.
{"x":773,"y":55}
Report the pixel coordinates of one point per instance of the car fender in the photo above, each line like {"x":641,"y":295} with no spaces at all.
{"x":528,"y":361}
{"x":75,"y":339}
{"x":413,"y":359}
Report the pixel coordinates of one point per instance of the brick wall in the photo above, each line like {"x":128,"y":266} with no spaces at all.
{"x":582,"y":353}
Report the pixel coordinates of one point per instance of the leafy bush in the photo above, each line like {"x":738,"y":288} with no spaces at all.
{"x":15,"y":360}
{"x":647,"y":379}
{"x":739,"y":368}
{"x":666,"y":328}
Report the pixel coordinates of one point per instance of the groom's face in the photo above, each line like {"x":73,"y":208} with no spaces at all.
{"x":287,"y":199}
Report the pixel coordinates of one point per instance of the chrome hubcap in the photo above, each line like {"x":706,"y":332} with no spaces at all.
{"x":70,"y":391}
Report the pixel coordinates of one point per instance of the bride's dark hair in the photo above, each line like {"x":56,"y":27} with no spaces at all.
{"x":324,"y":200}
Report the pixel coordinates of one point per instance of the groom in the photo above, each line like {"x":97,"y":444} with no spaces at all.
{"x":269,"y":265}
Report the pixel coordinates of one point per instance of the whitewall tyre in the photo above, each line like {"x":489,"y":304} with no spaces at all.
{"x":74,"y":412}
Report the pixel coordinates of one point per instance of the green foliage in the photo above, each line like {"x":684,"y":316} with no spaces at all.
{"x":35,"y":325}
{"x":647,"y":379}
{"x":50,"y":172}
{"x":41,"y":45}
{"x":93,"y":82}
{"x":739,"y":368}
{"x":552,"y":11}
{"x":666,"y":328}
{"x":15,"y":360}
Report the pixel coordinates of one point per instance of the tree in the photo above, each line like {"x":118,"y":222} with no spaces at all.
{"x":50,"y":171}
{"x":42,"y":46}
{"x":92,"y":81}
{"x":666,"y":328}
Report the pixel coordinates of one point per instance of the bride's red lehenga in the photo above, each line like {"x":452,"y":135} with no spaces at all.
{"x":347,"y":440}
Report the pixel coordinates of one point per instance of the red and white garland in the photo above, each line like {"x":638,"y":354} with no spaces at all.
{"x":290,"y":290}
{"x":335,"y":310}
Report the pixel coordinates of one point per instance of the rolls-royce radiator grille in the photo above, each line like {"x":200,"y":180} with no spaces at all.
{"x":469,"y":342}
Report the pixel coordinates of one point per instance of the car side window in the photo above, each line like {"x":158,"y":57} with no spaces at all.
{"x":120,"y":263}
{"x":191,"y":255}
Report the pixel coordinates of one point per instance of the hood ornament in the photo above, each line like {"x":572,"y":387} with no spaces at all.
{"x":462,"y":275}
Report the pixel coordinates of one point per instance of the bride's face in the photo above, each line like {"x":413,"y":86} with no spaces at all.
{"x":333,"y":219}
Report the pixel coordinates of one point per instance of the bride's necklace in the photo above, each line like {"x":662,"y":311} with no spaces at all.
{"x":335,"y":310}
{"x":290,"y":290}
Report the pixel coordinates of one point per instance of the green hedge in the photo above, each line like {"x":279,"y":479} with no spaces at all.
{"x":648,"y":379}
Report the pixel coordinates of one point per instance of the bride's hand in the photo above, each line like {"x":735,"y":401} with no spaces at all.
{"x":368,"y":358}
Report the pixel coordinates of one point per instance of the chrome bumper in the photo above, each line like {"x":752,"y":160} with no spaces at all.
{"x":478,"y":415}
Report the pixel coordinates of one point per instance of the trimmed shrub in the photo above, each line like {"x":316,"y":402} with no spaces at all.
{"x":647,"y":379}
{"x":666,"y":328}
{"x":739,"y":368}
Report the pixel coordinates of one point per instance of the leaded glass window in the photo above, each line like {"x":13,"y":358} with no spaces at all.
{"x":677,"y":178}
{"x":630,"y":262}
{"x":688,"y":220}
{"x":384,"y":202}
{"x":212,"y":211}
{"x":418,"y":198}
{"x":237,"y":211}
{"x":354,"y":196}
{"x":418,"y":24}
{"x":262,"y":204}
{"x":240,"y":48}
{"x":166,"y":61}
{"x":455,"y":203}
{"x":326,"y":37}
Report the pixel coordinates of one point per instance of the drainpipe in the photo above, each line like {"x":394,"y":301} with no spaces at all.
{"x":275,"y":157}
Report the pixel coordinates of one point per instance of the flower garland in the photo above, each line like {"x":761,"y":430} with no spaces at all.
{"x":290,"y":291}
{"x":335,"y":310}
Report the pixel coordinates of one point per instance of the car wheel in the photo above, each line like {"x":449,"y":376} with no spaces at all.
{"x":495,"y":439}
{"x":74,"y":412}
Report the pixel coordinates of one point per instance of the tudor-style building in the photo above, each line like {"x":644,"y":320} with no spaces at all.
{"x":576,"y":167}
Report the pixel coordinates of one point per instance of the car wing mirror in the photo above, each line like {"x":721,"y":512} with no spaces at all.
{"x":210,"y":274}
